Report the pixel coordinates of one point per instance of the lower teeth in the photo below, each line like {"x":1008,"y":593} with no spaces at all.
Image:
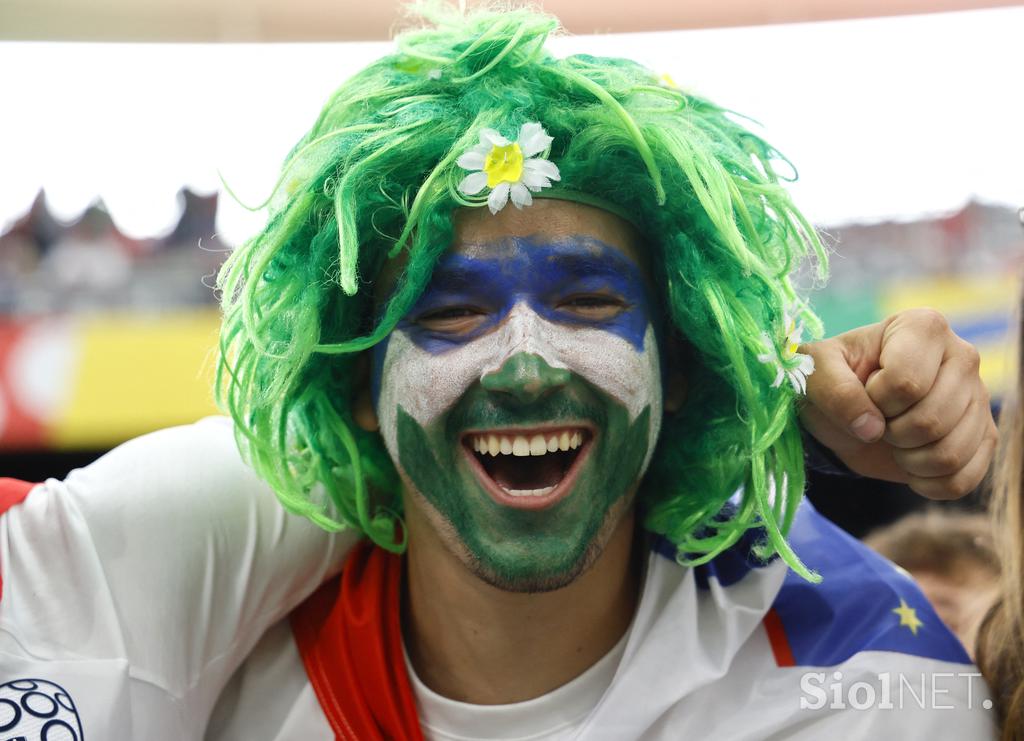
{"x":530,"y":492}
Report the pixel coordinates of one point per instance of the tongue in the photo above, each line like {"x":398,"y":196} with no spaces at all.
{"x":526,"y":472}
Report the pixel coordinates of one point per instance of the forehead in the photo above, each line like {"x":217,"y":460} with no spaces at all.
{"x":478,"y":232}
{"x":545,"y":220}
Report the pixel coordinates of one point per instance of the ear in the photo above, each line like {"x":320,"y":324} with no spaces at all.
{"x":362,"y":403}
{"x":675,"y":390}
{"x":678,"y":352}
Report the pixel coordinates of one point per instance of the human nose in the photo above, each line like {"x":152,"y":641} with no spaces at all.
{"x":525,"y":376}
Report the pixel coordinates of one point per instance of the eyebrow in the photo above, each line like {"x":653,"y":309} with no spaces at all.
{"x":587,"y":265}
{"x":456,"y":273}
{"x":465,"y":274}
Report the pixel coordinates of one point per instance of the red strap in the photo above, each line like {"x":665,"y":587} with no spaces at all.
{"x":12,"y":492}
{"x":349,"y":635}
{"x":778,"y":640}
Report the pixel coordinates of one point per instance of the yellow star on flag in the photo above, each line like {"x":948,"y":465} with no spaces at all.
{"x":908,"y":616}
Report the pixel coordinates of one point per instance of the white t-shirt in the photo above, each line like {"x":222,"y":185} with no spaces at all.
{"x":726,"y":651}
{"x":555,"y":716}
{"x":145,"y":597}
{"x":135,"y":588}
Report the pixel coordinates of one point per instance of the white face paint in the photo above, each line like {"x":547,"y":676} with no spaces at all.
{"x":428,"y":384}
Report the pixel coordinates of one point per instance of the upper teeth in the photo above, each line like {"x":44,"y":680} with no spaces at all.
{"x":522,"y":445}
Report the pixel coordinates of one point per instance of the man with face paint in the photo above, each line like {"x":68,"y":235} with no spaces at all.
{"x":520,"y":339}
{"x":521,"y":396}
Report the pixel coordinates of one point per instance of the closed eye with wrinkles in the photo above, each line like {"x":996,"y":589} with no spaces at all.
{"x":596,"y":307}
{"x":453,"y":319}
{"x":463,"y":319}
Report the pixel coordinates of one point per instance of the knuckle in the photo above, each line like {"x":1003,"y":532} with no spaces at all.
{"x":818,"y":348}
{"x":929,"y":488}
{"x":948,"y":460}
{"x":926,"y":427}
{"x":989,"y":446}
{"x":960,"y":486}
{"x":972,"y":358}
{"x":907,"y":388}
{"x":846,"y":390}
{"x":952,"y":487}
{"x":931,"y":321}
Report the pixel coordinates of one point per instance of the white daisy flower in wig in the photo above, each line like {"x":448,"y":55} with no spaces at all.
{"x":509,"y":169}
{"x":789,"y":363}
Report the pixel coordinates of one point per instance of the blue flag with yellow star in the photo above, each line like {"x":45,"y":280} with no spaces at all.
{"x":863,"y":603}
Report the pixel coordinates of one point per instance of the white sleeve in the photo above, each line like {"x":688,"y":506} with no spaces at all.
{"x":145,"y":579}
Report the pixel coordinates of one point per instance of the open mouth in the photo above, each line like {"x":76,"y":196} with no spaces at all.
{"x":528,"y":468}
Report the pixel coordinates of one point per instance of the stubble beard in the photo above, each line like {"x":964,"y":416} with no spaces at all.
{"x":454,"y":544}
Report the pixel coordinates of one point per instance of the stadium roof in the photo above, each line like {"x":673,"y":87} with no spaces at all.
{"x":358,"y":20}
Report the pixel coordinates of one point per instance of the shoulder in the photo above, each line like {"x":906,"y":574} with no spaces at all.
{"x":202,"y":456}
{"x":155,"y":489}
{"x":864,"y":603}
{"x":173,"y":555}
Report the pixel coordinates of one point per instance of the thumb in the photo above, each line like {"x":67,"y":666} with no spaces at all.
{"x":836,"y":389}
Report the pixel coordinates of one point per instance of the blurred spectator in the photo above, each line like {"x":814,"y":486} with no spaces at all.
{"x":19,"y":256}
{"x":1000,"y":649}
{"x":47,"y":267}
{"x":88,"y":264}
{"x":952,"y":558}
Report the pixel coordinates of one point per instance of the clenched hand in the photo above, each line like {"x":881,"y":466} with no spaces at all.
{"x":902,"y":400}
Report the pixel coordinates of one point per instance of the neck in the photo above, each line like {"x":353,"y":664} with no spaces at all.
{"x":475,"y":643}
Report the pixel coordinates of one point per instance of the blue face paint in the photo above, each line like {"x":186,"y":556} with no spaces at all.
{"x":541,"y":273}
{"x":545,"y":275}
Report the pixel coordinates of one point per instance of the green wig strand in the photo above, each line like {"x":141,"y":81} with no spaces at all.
{"x":375,"y":180}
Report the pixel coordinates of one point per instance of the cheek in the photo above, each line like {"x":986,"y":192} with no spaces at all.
{"x":613,"y":364}
{"x":424,"y":384}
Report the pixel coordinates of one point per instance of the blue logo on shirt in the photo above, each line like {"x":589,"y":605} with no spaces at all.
{"x":38,"y":710}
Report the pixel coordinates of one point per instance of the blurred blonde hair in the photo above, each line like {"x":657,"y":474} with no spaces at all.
{"x":1000,"y":650}
{"x":940,"y":541}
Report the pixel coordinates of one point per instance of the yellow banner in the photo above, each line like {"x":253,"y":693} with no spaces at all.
{"x":135,"y":374}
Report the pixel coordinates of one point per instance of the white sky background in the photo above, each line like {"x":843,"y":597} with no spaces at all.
{"x":884,"y":117}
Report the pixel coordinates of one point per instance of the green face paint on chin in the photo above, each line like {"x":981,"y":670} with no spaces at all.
{"x":518,"y":549}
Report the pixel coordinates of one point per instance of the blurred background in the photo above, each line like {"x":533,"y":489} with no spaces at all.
{"x":118,"y":120}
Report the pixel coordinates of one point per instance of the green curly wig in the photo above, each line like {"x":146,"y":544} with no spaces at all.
{"x":376,"y":176}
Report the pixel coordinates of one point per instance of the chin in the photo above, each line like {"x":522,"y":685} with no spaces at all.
{"x":534,"y":578}
{"x":517,"y":569}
